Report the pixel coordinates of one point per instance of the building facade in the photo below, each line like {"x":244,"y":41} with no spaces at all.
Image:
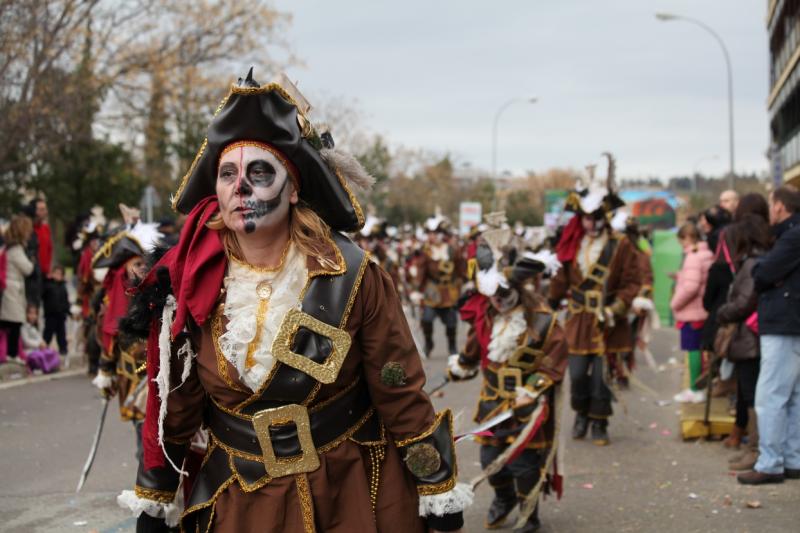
{"x":783,"y":26}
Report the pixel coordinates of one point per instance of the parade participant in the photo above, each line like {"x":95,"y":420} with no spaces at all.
{"x":516,"y":340}
{"x":441,"y":273}
{"x":122,"y":361}
{"x":277,"y":333}
{"x":642,"y":315}
{"x":87,"y":243}
{"x":599,"y":279}
{"x":374,"y":239}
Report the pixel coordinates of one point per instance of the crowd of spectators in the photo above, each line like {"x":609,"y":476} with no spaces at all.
{"x":32,"y":281}
{"x":737,"y":304}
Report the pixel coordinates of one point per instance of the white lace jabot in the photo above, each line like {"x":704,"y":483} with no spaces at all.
{"x":241,"y":312}
{"x":506,"y":331}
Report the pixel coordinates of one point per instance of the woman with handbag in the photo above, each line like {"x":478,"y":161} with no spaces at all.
{"x":748,"y":238}
{"x":687,"y":304}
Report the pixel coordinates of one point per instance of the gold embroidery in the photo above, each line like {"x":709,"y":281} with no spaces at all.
{"x":108,"y":246}
{"x":351,"y":196}
{"x":376,"y":456}
{"x":427,"y":433}
{"x":356,"y":287}
{"x":211,"y":501}
{"x":306,"y":502}
{"x":438,"y":488}
{"x":160,"y":496}
{"x":316,"y":407}
{"x":261,"y":314}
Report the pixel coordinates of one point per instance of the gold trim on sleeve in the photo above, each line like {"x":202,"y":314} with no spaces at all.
{"x":160,"y":496}
{"x":306,"y":502}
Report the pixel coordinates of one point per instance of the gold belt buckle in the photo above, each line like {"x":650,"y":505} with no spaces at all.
{"x":127,"y":365}
{"x":593,"y":300}
{"x":505,"y":373}
{"x":293,"y":413}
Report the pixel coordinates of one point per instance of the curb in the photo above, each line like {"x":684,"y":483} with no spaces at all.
{"x":40,"y":379}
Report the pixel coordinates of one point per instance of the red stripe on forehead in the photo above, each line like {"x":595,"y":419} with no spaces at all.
{"x":290,"y":167}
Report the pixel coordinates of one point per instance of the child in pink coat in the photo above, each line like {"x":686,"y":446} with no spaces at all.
{"x":687,"y":304}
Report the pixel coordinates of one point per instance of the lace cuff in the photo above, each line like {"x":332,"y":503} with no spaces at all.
{"x":169,"y":511}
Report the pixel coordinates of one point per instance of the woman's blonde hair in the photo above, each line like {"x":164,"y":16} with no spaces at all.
{"x":19,"y":230}
{"x":306,"y":229}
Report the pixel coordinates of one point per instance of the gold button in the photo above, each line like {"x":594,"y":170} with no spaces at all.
{"x":264,"y":290}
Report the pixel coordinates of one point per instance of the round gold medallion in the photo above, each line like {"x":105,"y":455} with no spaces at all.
{"x":264,"y":289}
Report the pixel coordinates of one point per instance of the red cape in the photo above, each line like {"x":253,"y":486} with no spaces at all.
{"x":196,"y":269}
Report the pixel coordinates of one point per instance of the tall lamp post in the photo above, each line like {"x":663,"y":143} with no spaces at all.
{"x":500,"y":110}
{"x":666,"y":17}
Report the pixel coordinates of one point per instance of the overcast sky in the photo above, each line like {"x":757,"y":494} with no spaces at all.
{"x":608,"y":76}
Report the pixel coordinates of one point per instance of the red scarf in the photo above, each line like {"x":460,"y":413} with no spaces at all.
{"x":570,"y":240}
{"x":196,"y":269}
{"x":474,"y":311}
{"x":115,"y":283}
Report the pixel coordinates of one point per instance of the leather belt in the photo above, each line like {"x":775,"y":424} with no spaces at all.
{"x":289,"y":437}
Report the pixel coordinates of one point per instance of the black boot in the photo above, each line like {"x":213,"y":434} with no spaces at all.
{"x":451,"y":341}
{"x":581,"y":426}
{"x":503,"y":503}
{"x":600,"y":432}
{"x":427,"y":330}
{"x":532,"y":524}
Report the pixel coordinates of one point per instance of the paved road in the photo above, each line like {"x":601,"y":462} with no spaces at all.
{"x":647,"y":480}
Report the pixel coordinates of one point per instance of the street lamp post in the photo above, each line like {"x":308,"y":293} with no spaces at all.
{"x":500,"y":110}
{"x":665,"y":17}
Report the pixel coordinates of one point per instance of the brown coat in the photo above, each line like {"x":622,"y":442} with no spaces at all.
{"x":336,"y":496}
{"x":441,"y":289}
{"x":584,"y":331}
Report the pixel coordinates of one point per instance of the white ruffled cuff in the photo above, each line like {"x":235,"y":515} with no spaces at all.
{"x":102,"y":381}
{"x":454,"y":500}
{"x":170,"y":512}
{"x":458,"y":370}
{"x":642,"y":304}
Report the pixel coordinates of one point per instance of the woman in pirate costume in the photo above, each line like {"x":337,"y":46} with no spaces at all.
{"x":121,"y":367}
{"x":277,"y":334}
{"x":515,"y":339}
{"x":599,"y":278}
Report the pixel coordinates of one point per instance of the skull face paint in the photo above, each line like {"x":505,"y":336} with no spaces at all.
{"x":253,"y":188}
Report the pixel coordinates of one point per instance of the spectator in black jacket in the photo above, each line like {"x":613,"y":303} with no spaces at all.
{"x":776,"y":278}
{"x":56,"y":309}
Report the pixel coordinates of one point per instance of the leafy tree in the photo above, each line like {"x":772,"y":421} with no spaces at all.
{"x":520,"y":208}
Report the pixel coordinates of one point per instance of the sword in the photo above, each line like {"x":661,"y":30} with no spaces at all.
{"x":95,"y":442}
{"x":443,"y":381}
{"x":492,"y":422}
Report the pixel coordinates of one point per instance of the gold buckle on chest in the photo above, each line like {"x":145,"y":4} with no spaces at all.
{"x":282,"y":346}
{"x":598,"y":273}
{"x":446,"y":267}
{"x":503,"y":375}
{"x":526,"y":358}
{"x":298,"y":415}
{"x":127,"y":365}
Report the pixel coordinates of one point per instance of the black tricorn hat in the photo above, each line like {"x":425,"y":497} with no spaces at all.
{"x":275,"y":114}
{"x":125,"y":243}
{"x":117,"y":250}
